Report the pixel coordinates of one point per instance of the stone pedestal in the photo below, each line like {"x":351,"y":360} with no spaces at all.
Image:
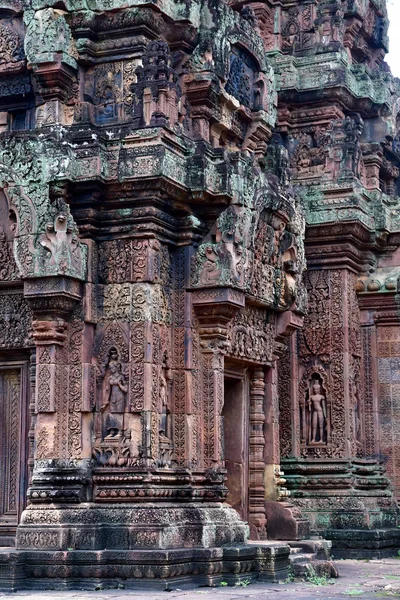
{"x":162,"y":570}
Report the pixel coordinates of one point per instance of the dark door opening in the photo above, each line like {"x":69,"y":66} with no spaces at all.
{"x":236,"y":441}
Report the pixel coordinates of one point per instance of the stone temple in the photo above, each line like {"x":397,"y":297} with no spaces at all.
{"x":199,"y":288}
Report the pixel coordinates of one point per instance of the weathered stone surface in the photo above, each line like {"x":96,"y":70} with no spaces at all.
{"x":198,"y":285}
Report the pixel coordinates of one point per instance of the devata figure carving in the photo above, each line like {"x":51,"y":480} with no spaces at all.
{"x":165,"y":429}
{"x":314,"y":410}
{"x":114,"y":398}
{"x":317,"y":408}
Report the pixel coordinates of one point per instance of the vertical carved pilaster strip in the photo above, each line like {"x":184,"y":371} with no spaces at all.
{"x":285,"y":402}
{"x":178,"y":357}
{"x":257,"y":519}
{"x":51,"y":383}
{"x":75,"y":378}
{"x":213,"y":382}
{"x":339,"y":449}
{"x":32,"y":414}
{"x":197,"y":426}
{"x":13,"y":380}
{"x":368,"y":407}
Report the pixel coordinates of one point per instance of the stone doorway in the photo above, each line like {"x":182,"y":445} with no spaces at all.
{"x":14,"y":427}
{"x":236,"y":440}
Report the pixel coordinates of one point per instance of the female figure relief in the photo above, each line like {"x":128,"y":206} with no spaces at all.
{"x":165,"y":425}
{"x":114,"y":398}
{"x":317,"y":408}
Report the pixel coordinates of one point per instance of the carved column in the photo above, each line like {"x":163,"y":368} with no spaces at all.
{"x":214,"y":310}
{"x":257,"y":517}
{"x":58,"y":470}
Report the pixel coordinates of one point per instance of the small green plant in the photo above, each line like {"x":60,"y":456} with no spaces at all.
{"x":290,"y":576}
{"x":315,"y":579}
{"x":354,"y":592}
{"x":223,"y":584}
{"x":243,"y":583}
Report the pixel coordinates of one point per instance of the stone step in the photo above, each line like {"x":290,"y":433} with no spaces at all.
{"x":310,"y":558}
{"x":301,"y":557}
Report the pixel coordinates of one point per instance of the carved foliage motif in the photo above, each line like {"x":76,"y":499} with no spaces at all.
{"x":47,"y":31}
{"x":252,"y":335}
{"x":315,"y":339}
{"x":75,"y":390}
{"x":15,"y":322}
{"x":337,"y":365}
{"x":136,"y":393}
{"x":135,"y":303}
{"x":8,"y":266}
{"x":11,"y":46}
{"x":287,"y":420}
{"x":178,"y":355}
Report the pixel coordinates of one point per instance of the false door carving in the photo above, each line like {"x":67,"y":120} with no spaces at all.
{"x":13,"y":448}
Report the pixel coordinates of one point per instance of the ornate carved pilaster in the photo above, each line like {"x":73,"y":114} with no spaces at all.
{"x":214,"y":308}
{"x":58,"y":473}
{"x":257,"y":517}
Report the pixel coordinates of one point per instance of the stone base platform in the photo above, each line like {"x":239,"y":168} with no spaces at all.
{"x":362,"y":543}
{"x":134,"y":526}
{"x":141,"y":569}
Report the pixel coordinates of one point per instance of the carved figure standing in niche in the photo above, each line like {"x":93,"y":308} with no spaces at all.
{"x":317,"y":407}
{"x":165,"y":428}
{"x":114,"y":398}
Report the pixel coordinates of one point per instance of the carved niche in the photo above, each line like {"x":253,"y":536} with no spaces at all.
{"x":315,"y":409}
{"x":165,"y":454}
{"x":243,"y":75}
{"x":117,"y":430}
{"x":321,"y":357}
{"x":298,"y":28}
